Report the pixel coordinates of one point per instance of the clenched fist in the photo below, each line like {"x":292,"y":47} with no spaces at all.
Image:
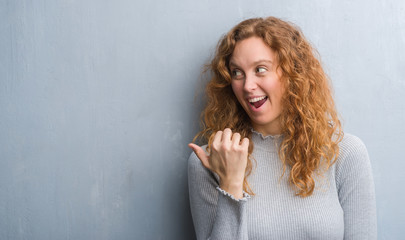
{"x":228,"y":159}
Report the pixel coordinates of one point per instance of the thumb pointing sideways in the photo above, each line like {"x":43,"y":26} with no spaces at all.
{"x":200,"y":154}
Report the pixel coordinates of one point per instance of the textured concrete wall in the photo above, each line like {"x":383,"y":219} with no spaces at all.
{"x":97,"y":106}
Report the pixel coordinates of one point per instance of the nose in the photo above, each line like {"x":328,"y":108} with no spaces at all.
{"x":250,"y":83}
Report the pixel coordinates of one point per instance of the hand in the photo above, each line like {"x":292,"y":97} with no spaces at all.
{"x":228,"y":159}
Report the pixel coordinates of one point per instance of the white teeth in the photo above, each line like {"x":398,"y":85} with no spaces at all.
{"x":252,"y":100}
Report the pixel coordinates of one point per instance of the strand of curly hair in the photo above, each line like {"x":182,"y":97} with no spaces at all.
{"x":310,"y":124}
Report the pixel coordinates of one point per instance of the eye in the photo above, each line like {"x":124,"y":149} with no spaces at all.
{"x":261,"y":70}
{"x":237,"y":74}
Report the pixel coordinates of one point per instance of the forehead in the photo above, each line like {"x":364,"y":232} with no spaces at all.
{"x":251,"y":50}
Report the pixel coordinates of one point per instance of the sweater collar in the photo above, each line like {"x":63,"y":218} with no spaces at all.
{"x":270,"y":143}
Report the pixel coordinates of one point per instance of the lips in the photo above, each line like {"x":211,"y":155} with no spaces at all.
{"x":258,"y":101}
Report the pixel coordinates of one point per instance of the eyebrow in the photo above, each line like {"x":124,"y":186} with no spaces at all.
{"x":255,"y":63}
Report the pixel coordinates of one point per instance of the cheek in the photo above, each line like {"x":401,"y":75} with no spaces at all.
{"x":237,"y":89}
{"x":238,"y":92}
{"x":276,"y":92}
{"x":280,"y":92}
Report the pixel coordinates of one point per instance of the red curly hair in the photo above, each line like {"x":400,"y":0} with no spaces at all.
{"x":310,"y":125}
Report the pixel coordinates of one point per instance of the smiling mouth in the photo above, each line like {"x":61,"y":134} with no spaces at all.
{"x":258,"y":101}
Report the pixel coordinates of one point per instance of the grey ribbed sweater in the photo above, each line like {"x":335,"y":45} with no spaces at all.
{"x":341,"y":207}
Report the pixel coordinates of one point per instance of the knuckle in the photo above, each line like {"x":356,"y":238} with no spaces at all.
{"x":225,"y":147}
{"x":219,"y":133}
{"x":215,"y":146}
{"x":233,"y":147}
{"x":239,"y":149}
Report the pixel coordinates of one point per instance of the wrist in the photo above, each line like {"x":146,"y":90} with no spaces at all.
{"x":233,"y":188}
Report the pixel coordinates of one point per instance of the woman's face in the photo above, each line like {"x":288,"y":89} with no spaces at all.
{"x":256,"y":84}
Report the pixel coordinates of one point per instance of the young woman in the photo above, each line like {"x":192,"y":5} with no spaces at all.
{"x":277,"y":164}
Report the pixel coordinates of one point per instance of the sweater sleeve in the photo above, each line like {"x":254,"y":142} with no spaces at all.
{"x":216,"y":214}
{"x":355,"y":184}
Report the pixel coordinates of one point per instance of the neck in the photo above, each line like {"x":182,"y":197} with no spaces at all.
{"x":268,"y":130}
